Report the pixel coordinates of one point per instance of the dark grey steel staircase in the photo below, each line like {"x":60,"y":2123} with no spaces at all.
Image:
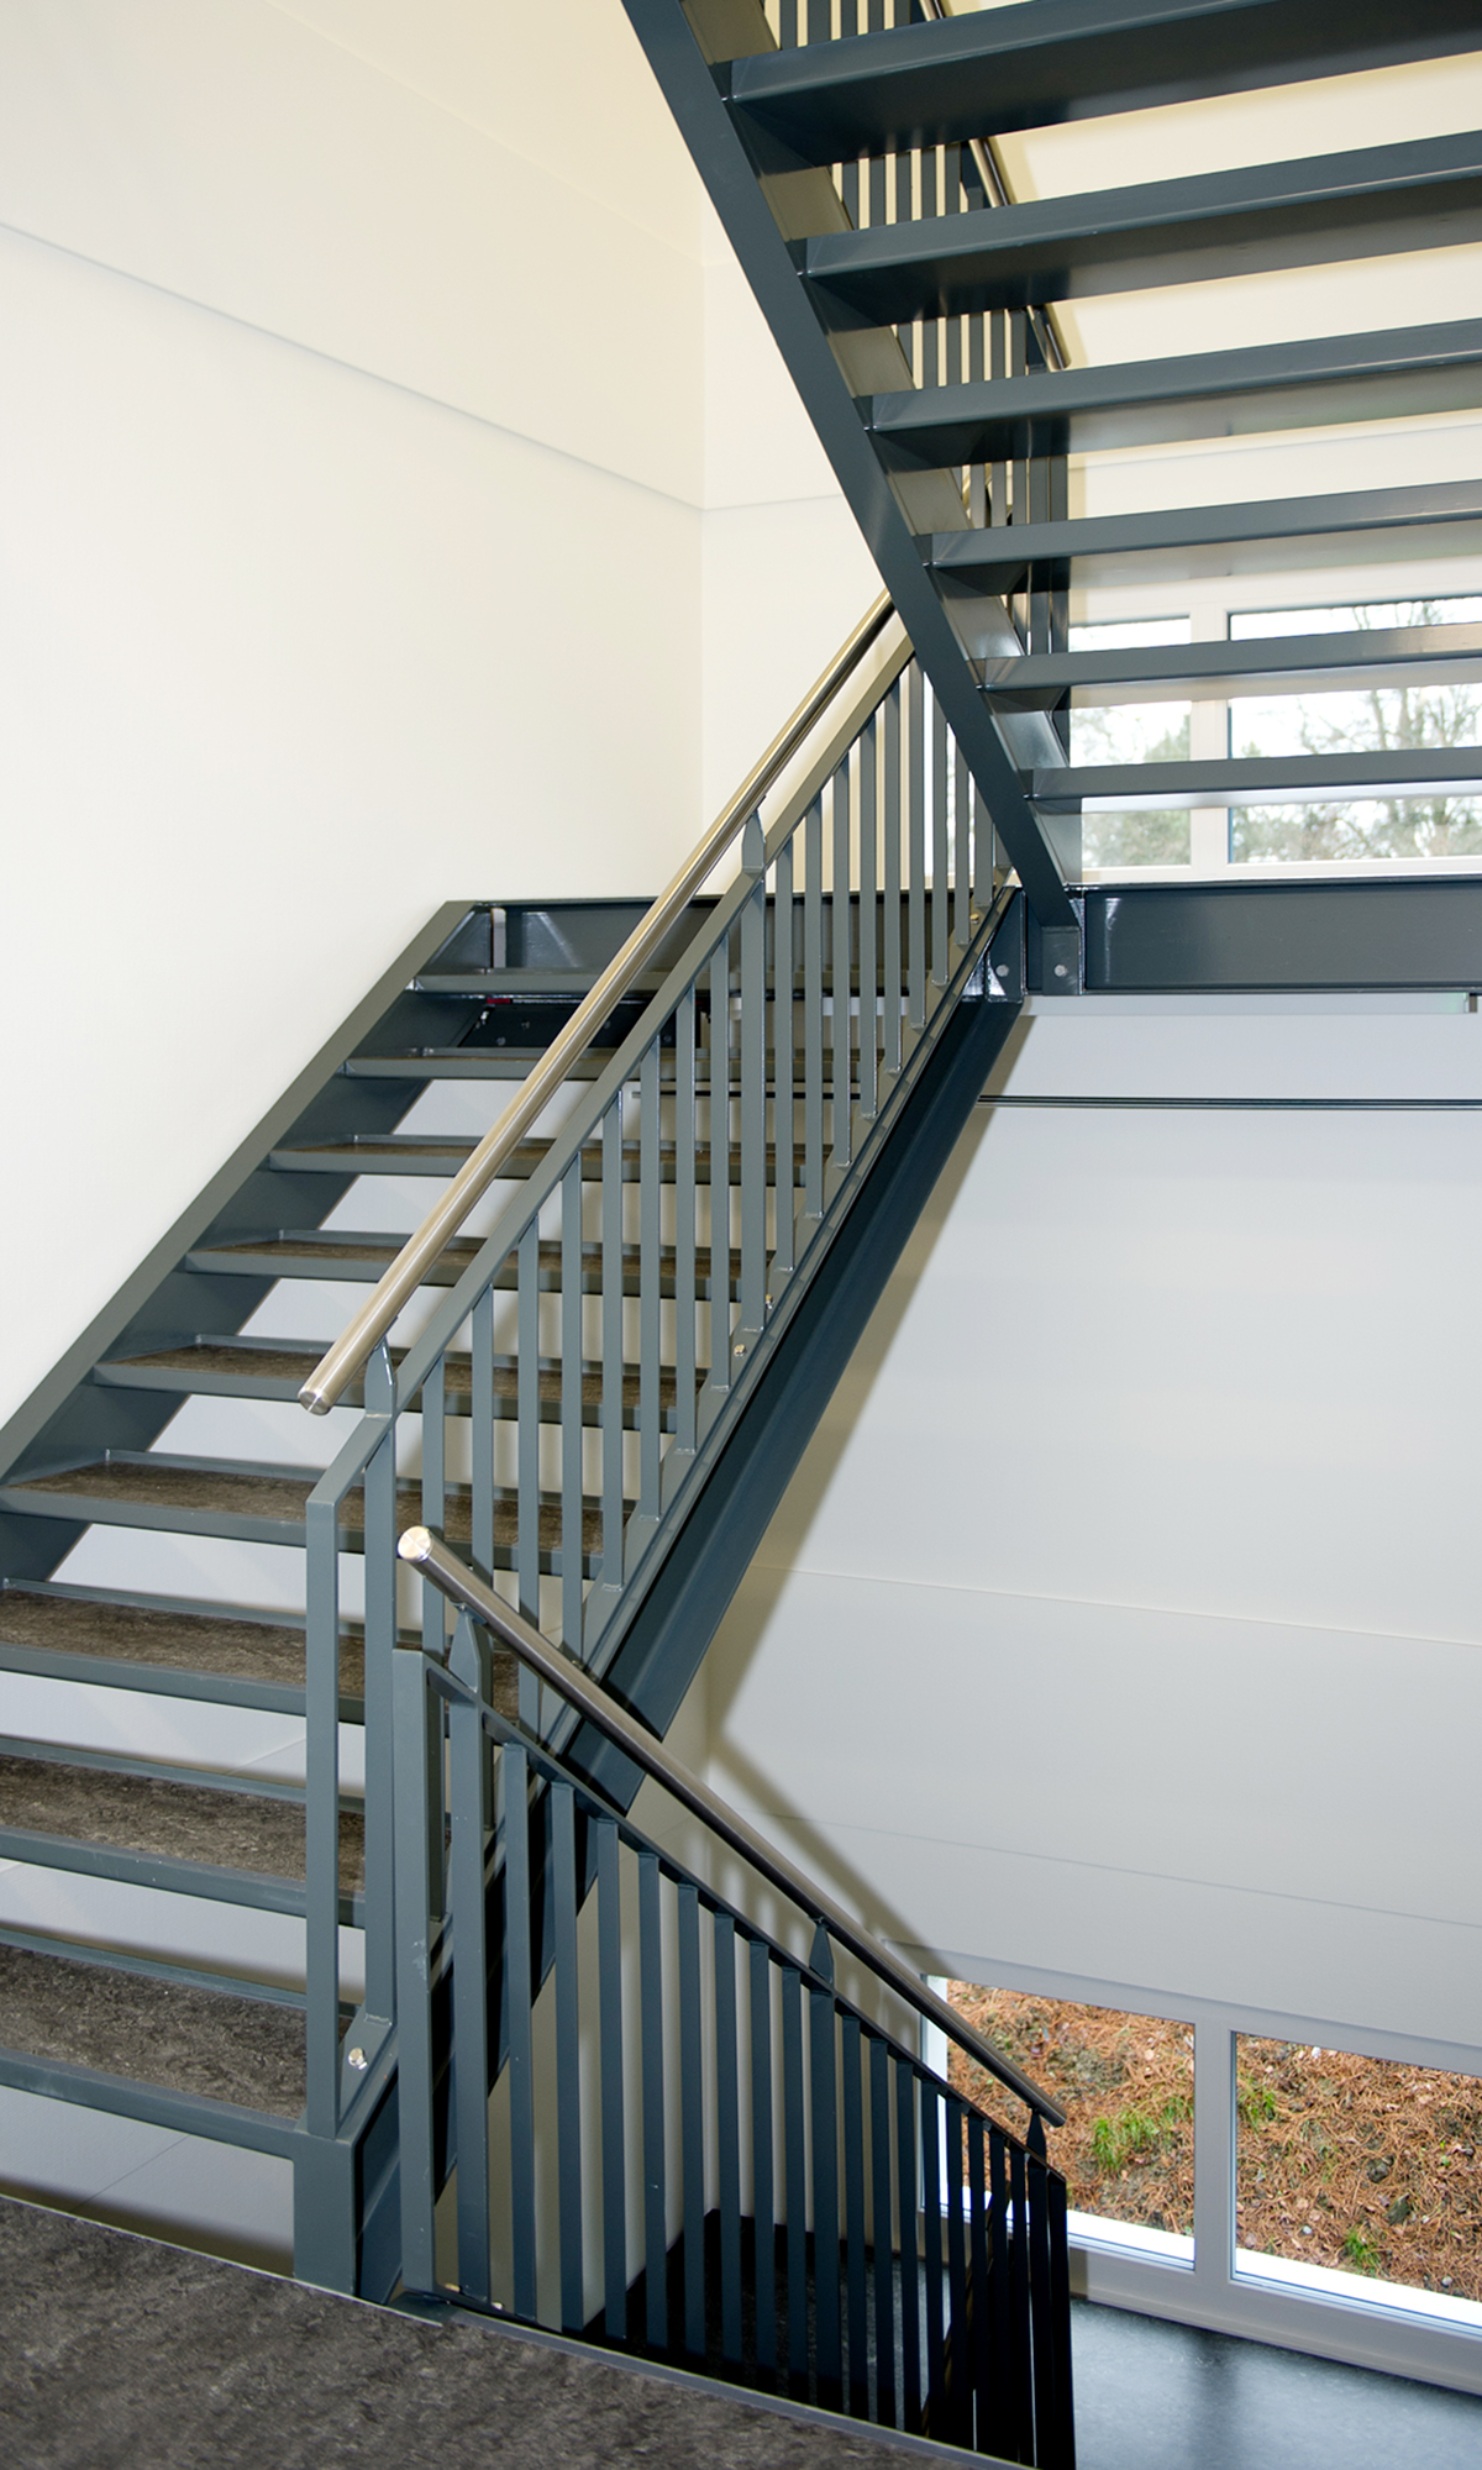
{"x":851,"y":156}
{"x":575,"y":1386}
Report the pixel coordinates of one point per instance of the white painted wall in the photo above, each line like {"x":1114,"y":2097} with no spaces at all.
{"x":350,"y":550}
{"x":1122,"y":1621}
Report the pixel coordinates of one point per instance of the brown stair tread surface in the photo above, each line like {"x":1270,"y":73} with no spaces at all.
{"x":165,"y":1820}
{"x":214,"y":2043}
{"x":371,"y":1254}
{"x":173,"y":1641}
{"x":219,"y":1359}
{"x":269,"y":1495}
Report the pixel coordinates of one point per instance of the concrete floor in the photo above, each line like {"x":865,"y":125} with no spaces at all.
{"x":1155,"y":2396}
{"x":117,"y":2352}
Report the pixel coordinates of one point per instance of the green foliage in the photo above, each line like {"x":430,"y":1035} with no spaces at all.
{"x":1358,"y":2252}
{"x":1134,"y":2135}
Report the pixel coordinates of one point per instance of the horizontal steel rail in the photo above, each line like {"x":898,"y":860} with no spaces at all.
{"x":353,"y":1349}
{"x":462,"y":1586}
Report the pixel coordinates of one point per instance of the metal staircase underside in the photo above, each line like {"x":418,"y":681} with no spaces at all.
{"x":851,"y":156}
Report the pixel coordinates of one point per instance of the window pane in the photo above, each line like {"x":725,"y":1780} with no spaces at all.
{"x":1365,"y":828}
{"x":1359,"y":2164}
{"x":1126,"y":2084}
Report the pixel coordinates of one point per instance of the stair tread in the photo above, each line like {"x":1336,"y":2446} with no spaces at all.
{"x":1342,"y":378}
{"x":311,"y":1251}
{"x":1252,"y":779}
{"x":274,"y":1497}
{"x":173,"y":1641}
{"x":1260,"y":217}
{"x":413,"y":1153}
{"x":1383,"y":521}
{"x":1046,"y":61}
{"x":213,"y":2043}
{"x":1247,"y":665}
{"x":169,"y":1821}
{"x":281,"y":1370}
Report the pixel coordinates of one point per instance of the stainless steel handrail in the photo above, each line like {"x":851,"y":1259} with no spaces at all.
{"x":332,"y":1375}
{"x":429,"y":1554}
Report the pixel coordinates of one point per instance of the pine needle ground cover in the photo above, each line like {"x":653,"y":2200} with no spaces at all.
{"x":1354,"y":2163}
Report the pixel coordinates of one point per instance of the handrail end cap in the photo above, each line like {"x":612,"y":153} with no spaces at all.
{"x":415,"y":1545}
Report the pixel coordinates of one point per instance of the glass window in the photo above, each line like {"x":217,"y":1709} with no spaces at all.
{"x":1131,"y":733}
{"x":1359,"y":2164}
{"x":1126,"y":2084}
{"x":1367,"y":720}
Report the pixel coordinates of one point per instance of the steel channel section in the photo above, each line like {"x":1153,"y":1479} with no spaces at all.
{"x":971,"y":76}
{"x":725,"y":167}
{"x":1399,"y":934}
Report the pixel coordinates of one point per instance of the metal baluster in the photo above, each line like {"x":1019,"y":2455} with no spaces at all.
{"x":612,"y":1346}
{"x":720,"y":1167}
{"x":787,"y":35}
{"x":960,"y":2400}
{"x":573,"y":1410}
{"x":727,"y":2136}
{"x":1057,"y":2438}
{"x":824,"y":2087}
{"x":869,"y":971}
{"x":692,"y":2119}
{"x":910,"y":2262}
{"x":685,"y":1373}
{"x":840,"y":1059}
{"x":813,"y":1011}
{"x":983,"y":853}
{"x":527,"y":1438}
{"x":568,"y":2056}
{"x":469,"y":1758}
{"x":894,"y":990}
{"x":481,"y":1434}
{"x":655,"y":2206}
{"x":1003,"y":2423}
{"x":851,"y":2060}
{"x":433,"y":1403}
{"x":931,"y":2208}
{"x":820,"y":21}
{"x":514,"y":1778}
{"x":784,"y":1130}
{"x":610,"y":2027}
{"x":940,"y":864}
{"x":650,"y":1194}
{"x":998,"y":339}
{"x":322,"y":1823}
{"x":884,"y":2242}
{"x":752,"y":1042}
{"x":419,"y":1814}
{"x":962,"y":870}
{"x":794,"y":2149}
{"x":1021,"y":2407}
{"x":380,"y":1645}
{"x":982,"y":2341}
{"x":916,"y":822}
{"x":763,"y":2205}
{"x":1041,"y":2297}
{"x":849,"y":190}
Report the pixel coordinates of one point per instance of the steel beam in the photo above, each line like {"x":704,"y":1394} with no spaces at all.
{"x":1399,"y":934}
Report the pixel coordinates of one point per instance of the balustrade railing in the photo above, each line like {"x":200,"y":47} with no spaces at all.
{"x":556,"y":1403}
{"x":702,"y":2145}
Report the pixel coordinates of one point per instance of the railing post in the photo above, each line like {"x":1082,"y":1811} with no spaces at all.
{"x":419,"y":1815}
